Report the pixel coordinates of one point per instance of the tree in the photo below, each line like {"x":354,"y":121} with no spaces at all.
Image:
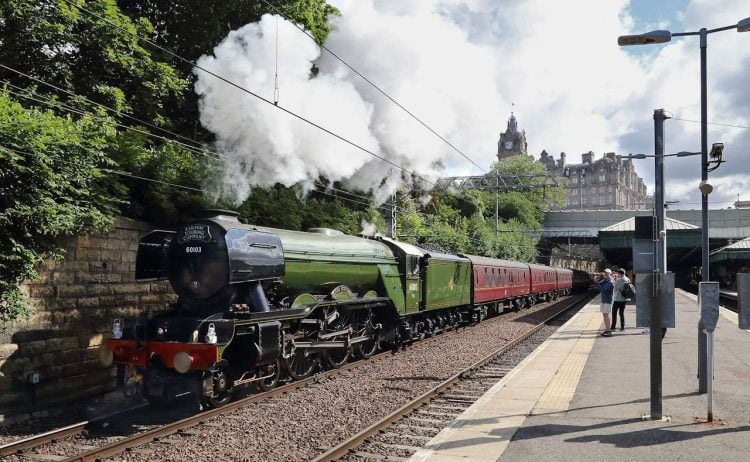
{"x":50,"y":186}
{"x":466,"y":222}
{"x":54,"y":41}
{"x":192,"y":28}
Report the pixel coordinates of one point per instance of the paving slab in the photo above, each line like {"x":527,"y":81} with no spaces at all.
{"x":603,"y":420}
{"x":582,"y":397}
{"x":483,"y":432}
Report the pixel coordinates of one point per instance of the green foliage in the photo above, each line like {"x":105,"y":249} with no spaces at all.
{"x":171,"y":164}
{"x":86,"y":55}
{"x":49,"y":187}
{"x":281,"y":207}
{"x":466,"y":223}
{"x":192,"y":28}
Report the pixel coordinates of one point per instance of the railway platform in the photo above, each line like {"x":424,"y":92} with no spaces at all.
{"x":582,"y":397}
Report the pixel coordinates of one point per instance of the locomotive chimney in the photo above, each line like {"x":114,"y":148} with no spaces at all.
{"x":229,"y":216}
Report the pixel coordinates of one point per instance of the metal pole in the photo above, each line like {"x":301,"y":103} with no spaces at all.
{"x":702,"y":352}
{"x":497,"y":215}
{"x":655,"y":332}
{"x":392,"y":228}
{"x":710,"y":375}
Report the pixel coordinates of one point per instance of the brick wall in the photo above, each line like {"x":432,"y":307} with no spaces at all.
{"x":74,"y":303}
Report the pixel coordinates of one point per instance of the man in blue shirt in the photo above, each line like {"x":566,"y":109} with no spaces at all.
{"x":606,"y":287}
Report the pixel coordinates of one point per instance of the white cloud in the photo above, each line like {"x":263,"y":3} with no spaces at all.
{"x":459,"y":64}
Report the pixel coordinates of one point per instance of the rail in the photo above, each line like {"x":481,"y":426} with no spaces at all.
{"x":348,"y":445}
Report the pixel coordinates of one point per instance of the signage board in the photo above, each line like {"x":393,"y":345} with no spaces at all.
{"x":708,"y":299}
{"x":648,"y":284}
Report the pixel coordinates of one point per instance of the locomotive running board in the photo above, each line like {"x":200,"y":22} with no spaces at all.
{"x":305,"y":310}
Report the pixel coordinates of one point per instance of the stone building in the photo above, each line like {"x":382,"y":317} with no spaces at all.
{"x":512,"y":142}
{"x":608,"y":183}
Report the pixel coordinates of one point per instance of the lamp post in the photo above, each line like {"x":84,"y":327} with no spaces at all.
{"x":663,"y":36}
{"x":660,"y":255}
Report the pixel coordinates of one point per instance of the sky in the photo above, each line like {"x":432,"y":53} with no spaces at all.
{"x":462,"y":66}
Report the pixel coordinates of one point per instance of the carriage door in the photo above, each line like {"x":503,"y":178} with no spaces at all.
{"x":413,"y":284}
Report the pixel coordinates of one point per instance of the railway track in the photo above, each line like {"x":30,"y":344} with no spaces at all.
{"x":404,"y":431}
{"x":41,"y":447}
{"x":22,"y":447}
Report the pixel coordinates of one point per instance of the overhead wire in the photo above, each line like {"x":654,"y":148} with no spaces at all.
{"x":107,"y":170}
{"x":711,"y":123}
{"x":104,"y":106}
{"x":51,"y":102}
{"x":58,"y":104}
{"x":249,"y":92}
{"x":375,"y":86}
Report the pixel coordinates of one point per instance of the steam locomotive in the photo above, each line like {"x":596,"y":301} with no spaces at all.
{"x":256,"y":304}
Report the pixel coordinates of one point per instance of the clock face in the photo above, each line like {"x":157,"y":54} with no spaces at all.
{"x":508,"y":145}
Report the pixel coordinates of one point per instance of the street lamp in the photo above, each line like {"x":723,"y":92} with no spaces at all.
{"x":662,"y":36}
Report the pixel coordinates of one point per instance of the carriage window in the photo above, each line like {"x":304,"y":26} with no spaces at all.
{"x":486,"y":277}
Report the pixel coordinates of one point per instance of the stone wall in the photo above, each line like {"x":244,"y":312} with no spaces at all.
{"x":74,"y":303}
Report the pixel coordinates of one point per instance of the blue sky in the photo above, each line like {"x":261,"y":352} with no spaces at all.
{"x":654,"y":14}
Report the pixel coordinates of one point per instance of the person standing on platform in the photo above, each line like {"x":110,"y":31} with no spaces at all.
{"x":606,"y":288}
{"x":619,"y":300}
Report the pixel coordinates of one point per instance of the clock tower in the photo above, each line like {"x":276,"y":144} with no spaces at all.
{"x":512,"y":142}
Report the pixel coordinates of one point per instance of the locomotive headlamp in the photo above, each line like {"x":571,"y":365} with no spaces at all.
{"x":106,"y":357}
{"x":211,"y":334}
{"x":117,"y":329}
{"x":182,"y":362}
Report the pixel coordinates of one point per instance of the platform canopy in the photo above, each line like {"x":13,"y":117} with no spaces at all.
{"x":739,"y":250}
{"x":620,"y":234}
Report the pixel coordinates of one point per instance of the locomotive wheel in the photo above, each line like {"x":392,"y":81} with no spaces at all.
{"x":365,"y":350}
{"x":301,"y":364}
{"x":270,"y":382}
{"x":337,"y":357}
{"x":222,"y":391}
{"x":339,"y":320}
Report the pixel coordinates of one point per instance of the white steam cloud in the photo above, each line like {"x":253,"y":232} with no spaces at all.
{"x":458,"y":65}
{"x":426,"y":62}
{"x":368,"y":229}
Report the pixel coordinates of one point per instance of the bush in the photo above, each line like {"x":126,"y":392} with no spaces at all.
{"x":49,"y":187}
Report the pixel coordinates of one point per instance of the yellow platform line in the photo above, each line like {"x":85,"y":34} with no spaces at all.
{"x":558,"y":394}
{"x":484,"y":430}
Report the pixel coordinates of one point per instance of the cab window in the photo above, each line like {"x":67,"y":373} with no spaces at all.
{"x":413,"y":264}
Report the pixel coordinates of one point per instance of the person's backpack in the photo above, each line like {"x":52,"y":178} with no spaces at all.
{"x":628,"y":291}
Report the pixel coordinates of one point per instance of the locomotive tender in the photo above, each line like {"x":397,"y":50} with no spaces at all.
{"x":255,"y":303}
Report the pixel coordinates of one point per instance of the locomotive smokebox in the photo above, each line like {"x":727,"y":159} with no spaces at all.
{"x":212,"y":259}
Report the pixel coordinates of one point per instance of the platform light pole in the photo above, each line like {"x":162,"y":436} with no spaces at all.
{"x":660,"y":261}
{"x":663,"y":36}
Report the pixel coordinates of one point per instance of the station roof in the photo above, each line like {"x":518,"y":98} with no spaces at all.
{"x":629,"y":225}
{"x":739,"y":250}
{"x":725,"y":223}
{"x":620,"y":235}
